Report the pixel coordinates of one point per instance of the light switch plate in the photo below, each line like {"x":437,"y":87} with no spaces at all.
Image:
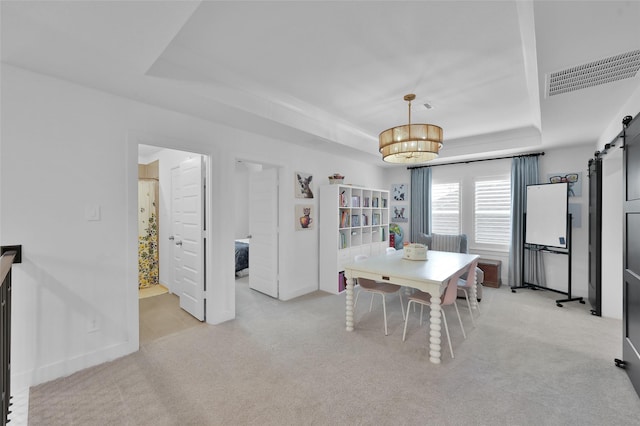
{"x":92,"y":212}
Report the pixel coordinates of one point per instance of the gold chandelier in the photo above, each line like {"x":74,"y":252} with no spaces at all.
{"x":411,"y":143}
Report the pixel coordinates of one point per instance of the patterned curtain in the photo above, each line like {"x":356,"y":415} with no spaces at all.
{"x":524,"y":171}
{"x":420,"y":202}
{"x":148,"y":273}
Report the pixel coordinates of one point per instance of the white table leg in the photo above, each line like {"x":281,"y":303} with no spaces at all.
{"x":435,"y":330}
{"x":349,"y":303}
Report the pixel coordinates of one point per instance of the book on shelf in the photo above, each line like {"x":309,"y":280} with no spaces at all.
{"x":355,"y":220}
{"x":376,"y":219}
{"x":343,"y":199}
{"x":344,"y":219}
{"x":375,"y":202}
{"x":343,"y":240}
{"x":365,"y":220}
{"x":366,"y":202}
{"x":342,"y":281}
{"x":355,"y":201}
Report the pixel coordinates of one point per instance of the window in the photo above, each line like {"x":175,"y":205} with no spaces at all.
{"x":493,"y":211}
{"x":445,"y":208}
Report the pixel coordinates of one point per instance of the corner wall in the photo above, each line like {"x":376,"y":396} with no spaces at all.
{"x":67,"y":149}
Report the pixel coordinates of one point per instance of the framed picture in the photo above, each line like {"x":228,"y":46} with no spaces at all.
{"x":399,"y":213}
{"x":399,"y":191}
{"x":302,"y":185}
{"x":573,"y":179}
{"x":304,"y":216}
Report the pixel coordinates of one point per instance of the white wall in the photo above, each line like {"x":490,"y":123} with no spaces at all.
{"x":241,"y":191}
{"x":66,"y":148}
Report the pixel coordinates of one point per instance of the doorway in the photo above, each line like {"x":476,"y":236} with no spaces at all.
{"x":148,"y":195}
{"x":179,"y":226}
{"x":256,"y":225}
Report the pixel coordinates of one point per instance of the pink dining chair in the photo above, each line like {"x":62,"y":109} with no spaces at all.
{"x":465,"y":286}
{"x":375,"y":287}
{"x":448,"y":298}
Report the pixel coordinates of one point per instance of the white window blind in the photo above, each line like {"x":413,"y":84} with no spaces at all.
{"x":493,"y":211}
{"x":445,"y":208}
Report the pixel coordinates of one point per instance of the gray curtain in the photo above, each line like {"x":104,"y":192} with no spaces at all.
{"x":524,"y":171}
{"x":420,"y":202}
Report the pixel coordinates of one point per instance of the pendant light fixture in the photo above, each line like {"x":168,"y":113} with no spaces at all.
{"x":411,"y":143}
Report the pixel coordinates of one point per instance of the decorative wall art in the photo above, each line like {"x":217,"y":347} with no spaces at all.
{"x":573,"y":179}
{"x":399,"y":191}
{"x":399,"y":213}
{"x":302,"y":185}
{"x":304,"y":217}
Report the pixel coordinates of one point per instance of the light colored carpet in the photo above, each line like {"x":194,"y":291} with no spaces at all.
{"x":527,"y":362}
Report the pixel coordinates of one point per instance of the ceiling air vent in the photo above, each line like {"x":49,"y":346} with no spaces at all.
{"x":606,"y":70}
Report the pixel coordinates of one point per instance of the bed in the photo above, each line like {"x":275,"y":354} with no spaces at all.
{"x":242,"y":255}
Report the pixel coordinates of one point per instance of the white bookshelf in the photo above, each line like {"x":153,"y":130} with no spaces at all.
{"x":353,"y":220}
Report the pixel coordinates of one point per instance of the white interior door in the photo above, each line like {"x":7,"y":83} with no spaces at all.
{"x":263,"y":226}
{"x":191,"y":244}
{"x":176,"y":233}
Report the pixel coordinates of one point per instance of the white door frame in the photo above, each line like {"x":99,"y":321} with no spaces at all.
{"x":134,"y":139}
{"x":279,"y":168}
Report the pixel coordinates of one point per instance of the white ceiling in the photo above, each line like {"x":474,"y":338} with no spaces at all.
{"x":332,"y":75}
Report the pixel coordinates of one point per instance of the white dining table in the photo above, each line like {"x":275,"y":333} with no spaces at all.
{"x":430,"y":276}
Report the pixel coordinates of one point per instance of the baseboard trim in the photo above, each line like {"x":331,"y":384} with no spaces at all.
{"x":66,"y":367}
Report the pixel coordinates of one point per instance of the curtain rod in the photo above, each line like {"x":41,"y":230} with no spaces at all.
{"x":534,"y":154}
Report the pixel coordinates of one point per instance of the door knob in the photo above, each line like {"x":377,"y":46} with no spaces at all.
{"x":171,"y":238}
{"x":178,"y":243}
